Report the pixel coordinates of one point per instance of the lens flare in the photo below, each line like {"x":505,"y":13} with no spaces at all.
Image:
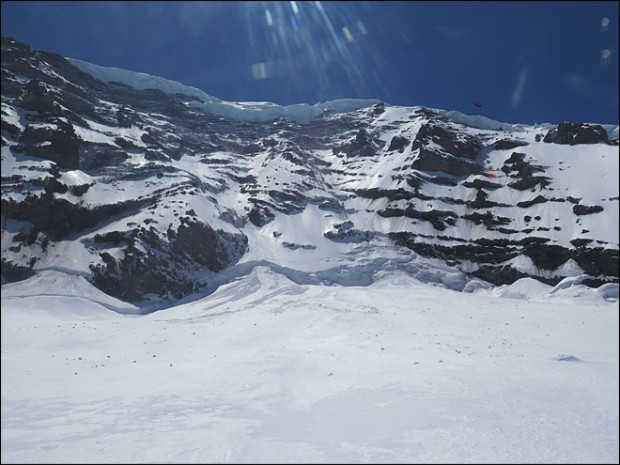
{"x":606,"y":55}
{"x":327,"y":43}
{"x":294,"y":7}
{"x":604,"y":24}
{"x":347,"y":33}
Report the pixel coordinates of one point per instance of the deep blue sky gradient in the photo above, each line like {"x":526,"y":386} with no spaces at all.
{"x":526,"y":62}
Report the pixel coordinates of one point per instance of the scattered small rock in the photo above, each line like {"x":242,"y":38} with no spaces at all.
{"x":566,"y":358}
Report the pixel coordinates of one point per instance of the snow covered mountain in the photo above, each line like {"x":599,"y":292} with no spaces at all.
{"x":345,"y":282}
{"x":154,"y":191}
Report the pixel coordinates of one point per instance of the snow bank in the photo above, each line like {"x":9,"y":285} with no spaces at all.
{"x":245,"y":111}
{"x":55,"y":285}
{"x":268,"y":111}
{"x":524,"y":288}
{"x":482,"y":122}
{"x":138,"y":80}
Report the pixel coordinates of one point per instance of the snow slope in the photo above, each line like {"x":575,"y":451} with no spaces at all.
{"x":269,"y":371}
{"x":266,"y":111}
{"x":246,"y":111}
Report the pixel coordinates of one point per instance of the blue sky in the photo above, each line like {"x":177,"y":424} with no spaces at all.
{"x":525,"y":62}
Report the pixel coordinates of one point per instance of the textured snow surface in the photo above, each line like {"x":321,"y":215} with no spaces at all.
{"x":266,"y":370}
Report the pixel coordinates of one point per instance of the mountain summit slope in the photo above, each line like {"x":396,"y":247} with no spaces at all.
{"x":154,"y":190}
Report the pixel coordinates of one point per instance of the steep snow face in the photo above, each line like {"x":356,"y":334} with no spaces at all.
{"x":153,"y":190}
{"x":266,"y":111}
{"x":138,"y":80}
{"x":245,"y":111}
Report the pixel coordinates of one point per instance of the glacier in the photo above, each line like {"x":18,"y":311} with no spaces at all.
{"x":192,"y":280}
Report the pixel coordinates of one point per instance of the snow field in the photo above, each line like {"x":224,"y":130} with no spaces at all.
{"x":268,"y":371}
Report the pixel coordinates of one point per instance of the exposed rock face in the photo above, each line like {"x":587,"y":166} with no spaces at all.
{"x":523,"y":172}
{"x":55,"y":141}
{"x":398,"y":143}
{"x":362,"y":146}
{"x":453,"y":154}
{"x":156,"y":195}
{"x":577,"y":133}
{"x":458,"y":145}
{"x":156,"y":264}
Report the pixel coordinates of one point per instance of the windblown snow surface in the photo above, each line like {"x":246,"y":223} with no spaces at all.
{"x":265,"y":370}
{"x":306,"y":357}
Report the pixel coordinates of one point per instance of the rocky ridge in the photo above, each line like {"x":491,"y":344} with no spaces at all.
{"x":149,"y":196}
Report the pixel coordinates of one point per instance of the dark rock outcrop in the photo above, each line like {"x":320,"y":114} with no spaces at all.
{"x":159,"y":265}
{"x":458,"y":145}
{"x":398,"y":143}
{"x":568,"y":133}
{"x":55,"y":141}
{"x":586,"y":209}
{"x":363,"y":145}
